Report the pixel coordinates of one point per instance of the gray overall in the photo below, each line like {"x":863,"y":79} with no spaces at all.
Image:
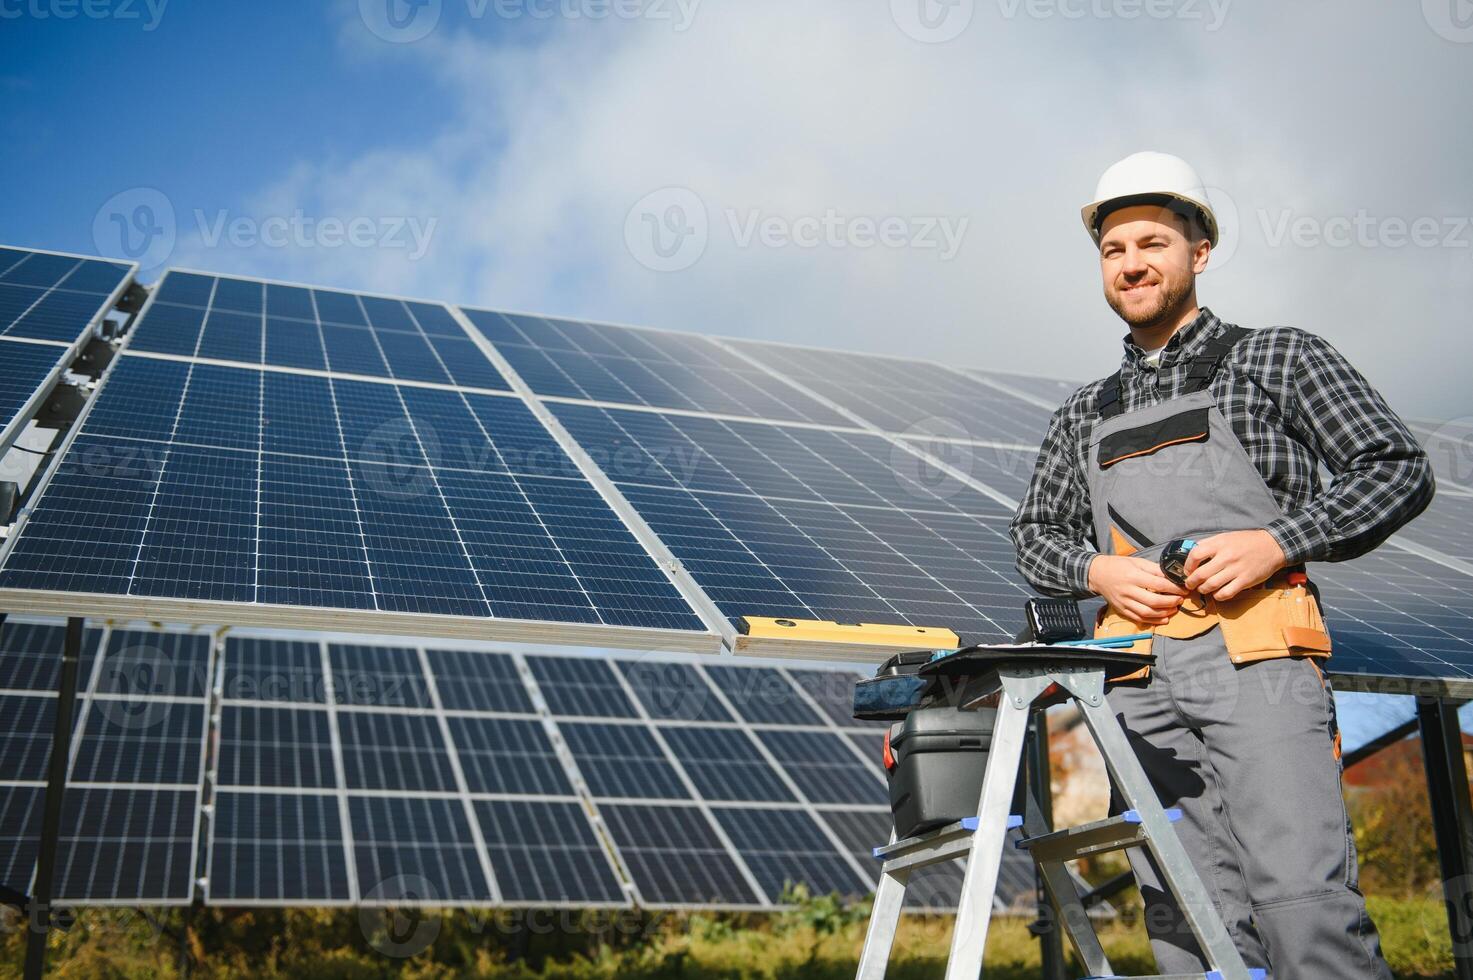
{"x":1247,"y":752}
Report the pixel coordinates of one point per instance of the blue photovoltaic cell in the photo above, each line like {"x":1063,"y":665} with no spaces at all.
{"x":24,"y":370}
{"x":1394,"y":614}
{"x":905,"y":396}
{"x":474,"y":680}
{"x":277,"y":847}
{"x":786,"y":847}
{"x":263,"y":745}
{"x":762,"y":696}
{"x":396,"y":751}
{"x":622,"y":761}
{"x":825,"y":767}
{"x":224,"y":319}
{"x":287,"y":671}
{"x":132,"y":740}
{"x":30,"y":656}
{"x":1446,"y":526}
{"x":1050,"y":390}
{"x":114,"y":844}
{"x":580,"y":687}
{"x":242,"y":485}
{"x":545,"y":852}
{"x":675,"y":857}
{"x":642,"y":367}
{"x":508,"y":756}
{"x":54,"y":297}
{"x":724,"y":764}
{"x":378,"y":677}
{"x":146,"y":663}
{"x":26,"y":733}
{"x":672,"y":691}
{"x":412,"y":849}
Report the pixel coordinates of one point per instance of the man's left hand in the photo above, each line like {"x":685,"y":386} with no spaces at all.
{"x":1225,"y":564}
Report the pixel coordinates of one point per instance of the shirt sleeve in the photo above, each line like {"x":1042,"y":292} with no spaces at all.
{"x":1380,"y":475}
{"x":1053,"y":524}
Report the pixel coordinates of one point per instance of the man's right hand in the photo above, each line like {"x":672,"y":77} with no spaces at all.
{"x":1136,"y":588}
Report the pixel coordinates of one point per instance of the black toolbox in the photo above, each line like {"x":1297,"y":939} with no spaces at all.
{"x":934,"y":760}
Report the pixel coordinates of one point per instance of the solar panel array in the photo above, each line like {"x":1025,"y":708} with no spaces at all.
{"x":220,"y":465}
{"x":49,"y":303}
{"x":344,"y":773}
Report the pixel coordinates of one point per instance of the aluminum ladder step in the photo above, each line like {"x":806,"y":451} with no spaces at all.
{"x":1098,"y":837}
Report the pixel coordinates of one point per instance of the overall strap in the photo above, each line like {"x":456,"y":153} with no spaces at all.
{"x":1205,"y":364}
{"x":1199,"y":372}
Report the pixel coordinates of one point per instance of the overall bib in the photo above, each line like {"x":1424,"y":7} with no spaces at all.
{"x":1234,"y":724}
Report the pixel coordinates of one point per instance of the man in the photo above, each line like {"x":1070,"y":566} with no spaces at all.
{"x":1215,"y":433}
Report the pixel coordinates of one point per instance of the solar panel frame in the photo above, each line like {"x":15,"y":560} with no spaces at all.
{"x":13,"y":423}
{"x":214,"y":608}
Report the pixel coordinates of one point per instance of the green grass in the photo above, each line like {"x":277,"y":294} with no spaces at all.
{"x":816,"y":942}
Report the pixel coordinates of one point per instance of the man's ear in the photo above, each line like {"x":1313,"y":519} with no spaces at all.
{"x":1200,"y":253}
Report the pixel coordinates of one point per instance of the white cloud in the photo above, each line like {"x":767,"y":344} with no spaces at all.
{"x":797,"y":111}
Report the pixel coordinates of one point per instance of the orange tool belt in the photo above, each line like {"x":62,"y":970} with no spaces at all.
{"x":1280,"y":618}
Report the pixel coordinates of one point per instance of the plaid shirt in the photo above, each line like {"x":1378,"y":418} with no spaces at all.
{"x":1293,"y":401}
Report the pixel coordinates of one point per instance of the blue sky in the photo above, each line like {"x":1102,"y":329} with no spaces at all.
{"x":510,"y":155}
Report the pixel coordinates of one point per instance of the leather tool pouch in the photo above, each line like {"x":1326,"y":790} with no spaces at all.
{"x":1261,"y":624}
{"x":1265,"y":623}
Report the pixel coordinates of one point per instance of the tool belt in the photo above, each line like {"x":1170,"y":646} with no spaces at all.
{"x":1280,"y":618}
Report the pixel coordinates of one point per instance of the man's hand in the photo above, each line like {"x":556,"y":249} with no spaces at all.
{"x":1225,"y":564}
{"x":1135,"y":587}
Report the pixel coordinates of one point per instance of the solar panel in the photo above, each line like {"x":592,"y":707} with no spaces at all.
{"x":1445,"y":526}
{"x":49,"y":305}
{"x":130,"y":811}
{"x":725,"y":764}
{"x":277,"y":848}
{"x":1449,"y":448}
{"x":1399,"y":616}
{"x":826,"y":766}
{"x":415,"y":849}
{"x":675,"y":857}
{"x":622,"y":761}
{"x":802,"y":523}
{"x":546,"y":853}
{"x":901,"y":395}
{"x":762,"y":695}
{"x":599,"y":362}
{"x":672,"y":691}
{"x":275,"y":491}
{"x":580,"y":687}
{"x":786,"y":847}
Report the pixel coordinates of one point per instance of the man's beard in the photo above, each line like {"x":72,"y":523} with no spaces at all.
{"x":1169,"y":297}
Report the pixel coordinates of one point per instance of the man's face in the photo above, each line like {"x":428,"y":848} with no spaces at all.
{"x":1148,"y":262}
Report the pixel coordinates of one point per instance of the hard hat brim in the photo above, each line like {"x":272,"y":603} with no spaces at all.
{"x":1094,"y":214}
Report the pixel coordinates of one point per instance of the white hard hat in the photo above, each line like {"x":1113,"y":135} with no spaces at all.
{"x":1149,"y":178}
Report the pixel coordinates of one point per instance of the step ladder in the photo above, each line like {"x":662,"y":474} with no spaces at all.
{"x":1023,"y":681}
